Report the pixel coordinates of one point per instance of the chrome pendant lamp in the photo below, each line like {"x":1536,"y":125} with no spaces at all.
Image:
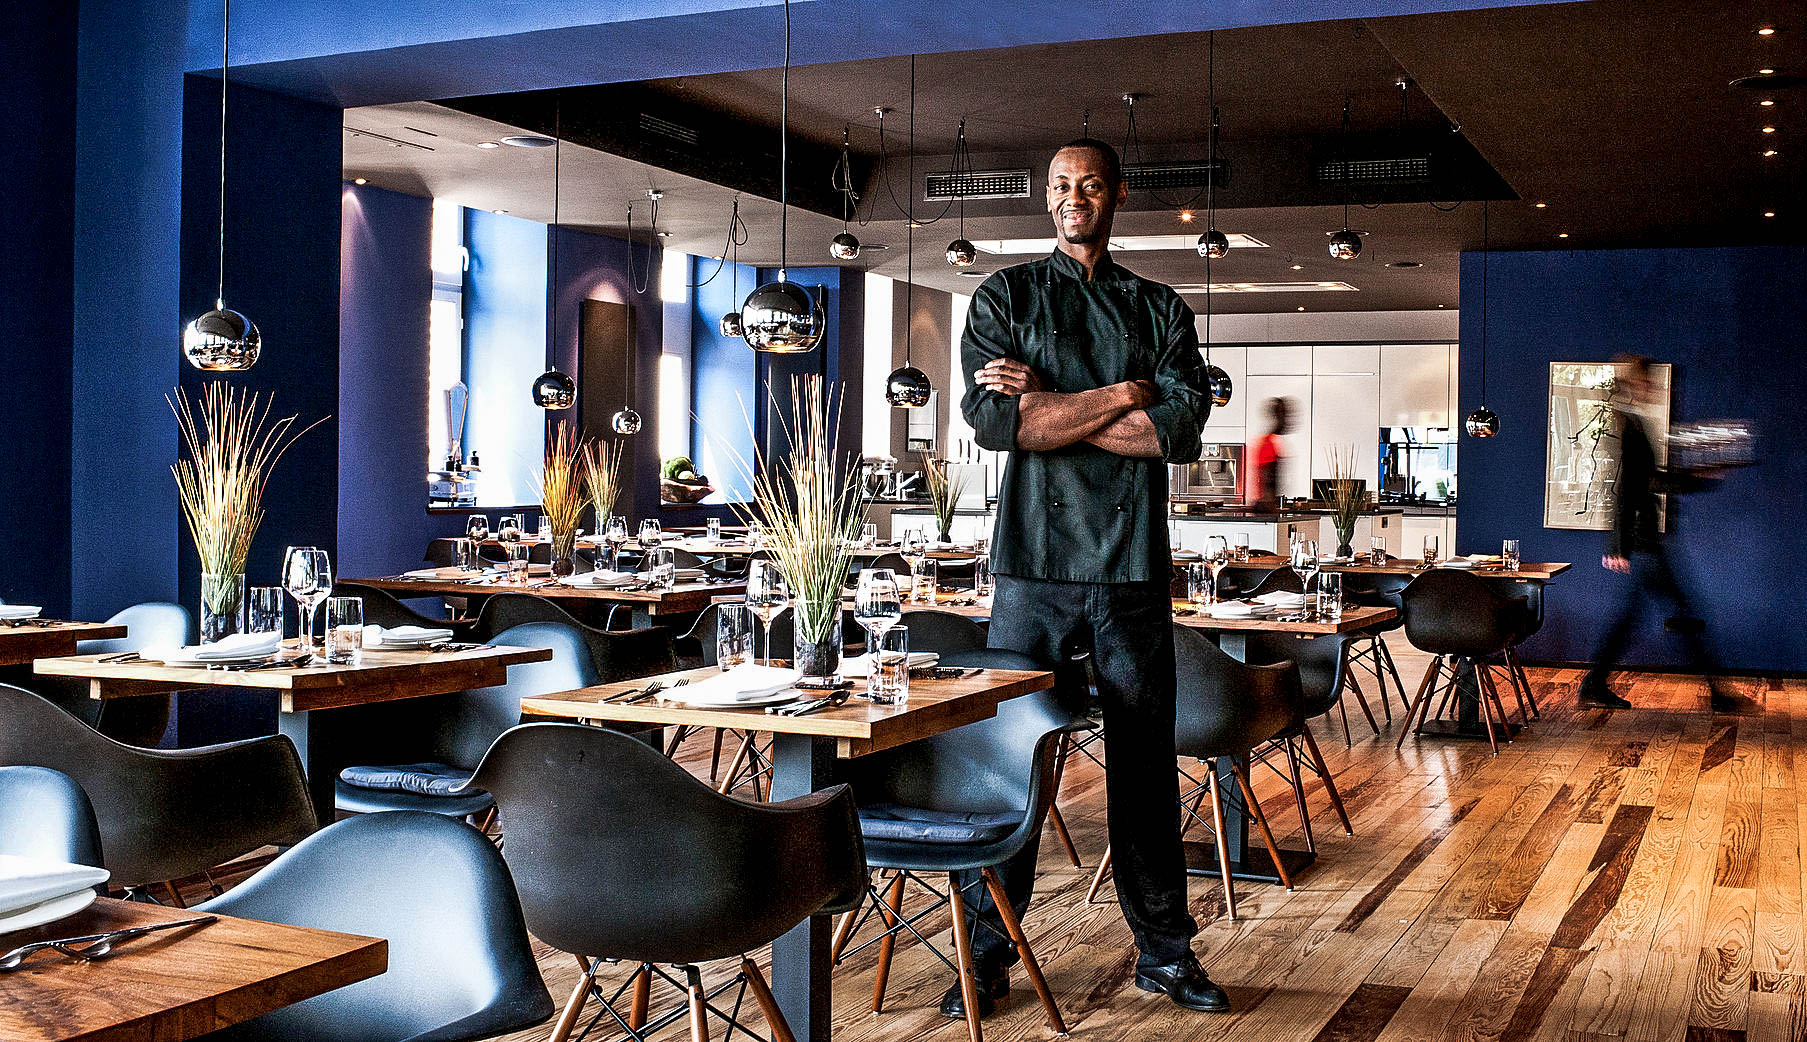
{"x":222,"y":340}
{"x":626,"y":422}
{"x":908,"y":387}
{"x":553,"y":389}
{"x":1483,"y":422}
{"x":845,"y":246}
{"x":737,"y":233}
{"x":960,"y":253}
{"x":1216,"y":380}
{"x":781,"y":317}
{"x":1346,"y":245}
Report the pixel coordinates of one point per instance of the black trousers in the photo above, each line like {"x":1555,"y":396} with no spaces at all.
{"x":1653,"y":579}
{"x":1128,"y":628}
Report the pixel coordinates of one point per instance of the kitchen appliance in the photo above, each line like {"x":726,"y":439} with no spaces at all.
{"x":1215,"y":479}
{"x":1414,"y":461}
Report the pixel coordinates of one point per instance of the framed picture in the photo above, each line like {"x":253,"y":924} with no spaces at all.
{"x":1581,"y":464}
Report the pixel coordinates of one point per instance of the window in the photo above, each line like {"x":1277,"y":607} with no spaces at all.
{"x":445,"y":326}
{"x":877,"y":419}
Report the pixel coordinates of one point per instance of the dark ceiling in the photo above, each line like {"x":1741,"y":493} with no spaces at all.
{"x":1615,"y":114}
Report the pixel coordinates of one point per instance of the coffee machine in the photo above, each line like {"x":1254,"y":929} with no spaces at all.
{"x":1215,"y":480}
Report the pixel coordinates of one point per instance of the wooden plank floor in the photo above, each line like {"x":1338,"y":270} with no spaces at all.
{"x":1612,"y":875}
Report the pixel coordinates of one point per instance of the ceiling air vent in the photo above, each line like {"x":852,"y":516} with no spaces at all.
{"x":651,"y":124}
{"x":1156,"y":177}
{"x":1375,"y":171}
{"x":979,"y":184}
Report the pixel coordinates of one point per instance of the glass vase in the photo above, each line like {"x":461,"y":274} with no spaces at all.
{"x":222,"y":605}
{"x":818,"y":658}
{"x":564,"y":551}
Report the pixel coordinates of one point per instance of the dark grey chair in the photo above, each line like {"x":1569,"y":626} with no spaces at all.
{"x":621,"y":854}
{"x":382,"y":608}
{"x":164,"y":814}
{"x":134,"y":721}
{"x":1368,"y":647}
{"x":45,"y":814}
{"x":460,"y":964}
{"x":1325,"y":677}
{"x":615,"y":654}
{"x":943,"y":632}
{"x":1460,"y":619}
{"x":441,"y":739}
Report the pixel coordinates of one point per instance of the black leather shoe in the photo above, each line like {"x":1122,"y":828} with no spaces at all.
{"x":1600,"y":696}
{"x":991,"y":988}
{"x":1185,"y":983}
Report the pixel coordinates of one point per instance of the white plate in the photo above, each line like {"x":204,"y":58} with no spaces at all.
{"x":789,"y":694}
{"x":48,"y":911}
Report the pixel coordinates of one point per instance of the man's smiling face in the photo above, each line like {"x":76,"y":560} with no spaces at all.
{"x":1081,"y":198}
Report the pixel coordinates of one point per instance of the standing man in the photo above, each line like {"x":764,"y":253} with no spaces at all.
{"x":1090,"y":378}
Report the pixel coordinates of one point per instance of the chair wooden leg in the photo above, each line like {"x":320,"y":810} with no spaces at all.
{"x":740,"y":757}
{"x":1031,"y":968}
{"x":1419,"y":704}
{"x":1351,"y":687}
{"x":1223,"y":845}
{"x":1521,"y":684}
{"x":892,"y":913}
{"x":1481,"y":681}
{"x":699,"y":1009}
{"x":1393,"y":670}
{"x":175,"y":896}
{"x":963,"y":951}
{"x":1499,"y":708}
{"x":1054,"y":815}
{"x":843,"y":931}
{"x":762,"y":994}
{"x":1267,"y":834}
{"x":1323,"y":772}
{"x":1292,"y":766}
{"x":642,"y":997}
{"x":1343,"y":709}
{"x":1104,"y":865}
{"x":715,"y":755}
{"x":575,"y":1007}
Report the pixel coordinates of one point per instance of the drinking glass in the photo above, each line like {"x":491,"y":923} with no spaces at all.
{"x":767,"y":595}
{"x":345,"y":630}
{"x":755,"y":533}
{"x":264,"y":610}
{"x":924,"y":580}
{"x":520,"y":522}
{"x":544,"y":532}
{"x":650,"y":534}
{"x":1430,"y":550}
{"x":982,"y":576}
{"x":733,"y":636}
{"x":465,"y":553}
{"x":508,"y":530}
{"x":517,"y":563}
{"x":1305,"y":563}
{"x":868,"y":534}
{"x":889,"y":681}
{"x":1198,"y":584}
{"x":307,"y":573}
{"x":1509,"y":555}
{"x":877,"y":606}
{"x":477,"y":527}
{"x":1330,"y":596}
{"x":662,"y":564}
{"x":614,"y":536}
{"x":1377,"y":550}
{"x":712,"y":529}
{"x":1294,"y":537}
{"x":1217,"y":558}
{"x":1242,"y":546}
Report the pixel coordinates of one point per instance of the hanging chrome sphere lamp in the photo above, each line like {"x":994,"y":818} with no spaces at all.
{"x":845,"y":246}
{"x":222,"y":340}
{"x":1217,"y":382}
{"x":626,"y":421}
{"x":961,"y":253}
{"x":909,"y":387}
{"x":554,"y":389}
{"x":1346,"y":245}
{"x":1213,"y":244}
{"x":737,"y":234}
{"x":1483,"y":422}
{"x":780,"y":317}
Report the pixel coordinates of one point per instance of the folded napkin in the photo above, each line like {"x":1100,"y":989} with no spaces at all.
{"x":378,"y":636}
{"x":599,"y":579}
{"x":740,"y":684}
{"x":1230,"y":610}
{"x":861,"y":665}
{"x":28,"y":881}
{"x":19,"y":611}
{"x":237,"y":646}
{"x":1455,"y":562}
{"x":1281,"y":599}
{"x":1187,"y":555}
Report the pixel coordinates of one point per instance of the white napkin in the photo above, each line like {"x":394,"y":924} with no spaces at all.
{"x":861,"y":665}
{"x":28,"y":881}
{"x":599,"y":578}
{"x":19,"y":611}
{"x":687,"y":573}
{"x":377,"y":636}
{"x":237,"y":646}
{"x":1229,"y":610}
{"x":1281,"y":599}
{"x":742,"y":683}
{"x":1455,"y":562}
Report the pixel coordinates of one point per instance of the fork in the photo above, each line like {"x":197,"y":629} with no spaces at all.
{"x":91,"y":946}
{"x":637,"y":694}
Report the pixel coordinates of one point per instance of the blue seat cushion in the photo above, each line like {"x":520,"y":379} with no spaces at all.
{"x":421,"y":779}
{"x":888,"y":821}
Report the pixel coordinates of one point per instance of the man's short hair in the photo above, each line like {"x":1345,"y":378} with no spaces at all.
{"x":1113,"y":166}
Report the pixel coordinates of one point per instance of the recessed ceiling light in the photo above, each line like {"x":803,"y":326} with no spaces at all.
{"x":664,"y":235}
{"x":359,"y":181}
{"x":1768,"y":30}
{"x":1769,"y":213}
{"x":527,"y":141}
{"x":913,"y":224}
{"x":1770,"y":153}
{"x":1404,"y":264}
{"x":498,"y":211}
{"x":1769,"y":130}
{"x":1442,"y":305}
{"x":1301,"y":307}
{"x":1562,"y":235}
{"x":489,"y":144}
{"x":1540,"y":205}
{"x":969,"y":274}
{"x":1766,"y":72}
{"x":1185,"y":216}
{"x":1767,"y":102}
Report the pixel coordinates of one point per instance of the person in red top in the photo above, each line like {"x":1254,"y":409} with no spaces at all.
{"x":1269,"y":453}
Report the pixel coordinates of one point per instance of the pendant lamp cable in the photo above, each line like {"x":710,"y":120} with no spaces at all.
{"x":225,"y":63}
{"x":640,"y":282}
{"x":737,"y":236}
{"x":1348,"y":179}
{"x":841,"y":179}
{"x":558,"y":142}
{"x":1484,"y":240}
{"x":784,"y":146}
{"x":1210,"y":177}
{"x":962,"y":164}
{"x":910,"y":220}
{"x":907,"y":212}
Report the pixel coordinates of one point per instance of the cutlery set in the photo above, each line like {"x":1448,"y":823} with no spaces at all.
{"x":90,"y":946}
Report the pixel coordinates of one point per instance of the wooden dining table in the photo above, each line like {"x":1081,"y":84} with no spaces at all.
{"x":647,"y":604}
{"x":804,"y":751}
{"x":310,"y":698}
{"x":31,"y":639}
{"x":1527,"y":571}
{"x":174,"y":984}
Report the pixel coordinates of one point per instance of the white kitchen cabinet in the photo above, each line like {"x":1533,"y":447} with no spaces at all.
{"x":1345,"y":412}
{"x":1387,"y":526}
{"x":1417,"y":385}
{"x":1416,"y":528}
{"x":1227,"y":422}
{"x":1346,"y":360}
{"x":1296,"y":468}
{"x":1278,"y":360}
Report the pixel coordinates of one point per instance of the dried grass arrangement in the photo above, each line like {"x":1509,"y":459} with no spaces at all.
{"x":601,"y":461}
{"x":1348,"y":496}
{"x":562,"y":498}
{"x":945,"y":490}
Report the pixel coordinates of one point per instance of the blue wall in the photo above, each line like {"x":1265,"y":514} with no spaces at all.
{"x":37,"y":56}
{"x":1732,"y":322}
{"x":724,"y":396}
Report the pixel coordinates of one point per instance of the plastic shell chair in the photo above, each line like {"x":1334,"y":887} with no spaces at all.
{"x":44,"y":814}
{"x":621,"y":854}
{"x":965,"y":800}
{"x":616,"y":654}
{"x":382,"y":608}
{"x":164,"y":814}
{"x":134,"y":721}
{"x":943,"y":632}
{"x":445,"y":736}
{"x":1368,"y":647}
{"x":1457,"y":617}
{"x":1324,"y":676}
{"x":460,"y":964}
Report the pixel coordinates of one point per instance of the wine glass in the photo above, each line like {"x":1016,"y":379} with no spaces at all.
{"x":877,"y":606}
{"x":1217,"y":556}
{"x":615,"y":535}
{"x":477,"y":528}
{"x":767,"y":595}
{"x":508,"y":530}
{"x":307,"y":573}
{"x":650,"y":534}
{"x":1305,"y":562}
{"x":915,"y":547}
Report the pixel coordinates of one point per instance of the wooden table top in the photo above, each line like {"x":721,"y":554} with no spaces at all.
{"x":177,"y":984}
{"x":28,"y":640}
{"x":680,"y":598}
{"x":1529,"y":571}
{"x":859,"y":727}
{"x":383,"y":676}
{"x":1355,"y":617}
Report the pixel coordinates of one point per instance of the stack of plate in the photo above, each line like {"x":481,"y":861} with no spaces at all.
{"x":742,"y":687}
{"x":236,"y":650}
{"x":34,"y":891}
{"x":402,"y":638}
